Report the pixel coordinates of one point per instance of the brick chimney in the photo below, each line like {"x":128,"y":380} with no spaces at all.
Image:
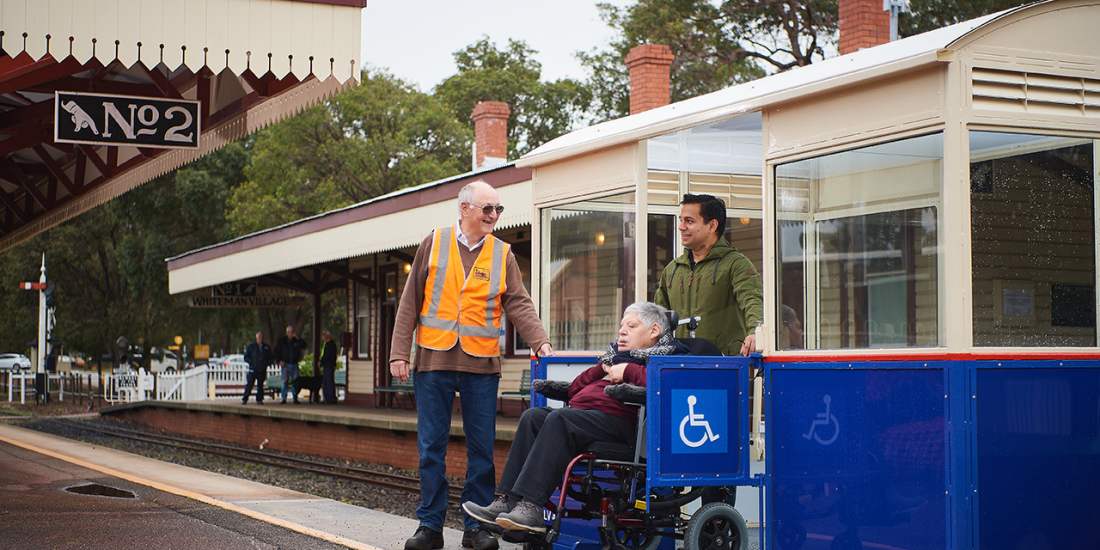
{"x":490,"y":133}
{"x":649,"y":66}
{"x":863,"y":23}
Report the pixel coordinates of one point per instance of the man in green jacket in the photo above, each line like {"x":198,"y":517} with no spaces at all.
{"x":712,"y":280}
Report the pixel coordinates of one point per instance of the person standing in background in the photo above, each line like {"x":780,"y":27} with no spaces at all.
{"x":328,"y":367}
{"x":258,"y":355}
{"x":288,"y":352}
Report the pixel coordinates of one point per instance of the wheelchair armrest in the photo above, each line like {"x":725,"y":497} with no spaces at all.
{"x":552,"y":389}
{"x":627,"y":393}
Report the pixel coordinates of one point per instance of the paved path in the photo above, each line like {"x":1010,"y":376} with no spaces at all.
{"x":177,"y":506}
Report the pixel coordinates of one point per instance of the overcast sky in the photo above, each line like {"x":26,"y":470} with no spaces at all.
{"x":414,"y":39}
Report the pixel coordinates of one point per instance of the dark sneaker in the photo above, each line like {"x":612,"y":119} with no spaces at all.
{"x":425,"y":538}
{"x":488,"y":514}
{"x":479,"y":539}
{"x":524,"y":517}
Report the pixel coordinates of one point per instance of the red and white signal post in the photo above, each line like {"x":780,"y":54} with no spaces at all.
{"x":40,"y":383}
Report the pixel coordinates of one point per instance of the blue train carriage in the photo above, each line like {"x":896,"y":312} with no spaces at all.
{"x":924,"y":216}
{"x":932,"y":373}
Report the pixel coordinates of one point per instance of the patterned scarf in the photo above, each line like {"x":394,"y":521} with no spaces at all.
{"x":666,"y":345}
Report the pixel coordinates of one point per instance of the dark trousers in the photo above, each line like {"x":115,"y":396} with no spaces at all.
{"x":258,"y":379}
{"x":547,"y":439}
{"x":328,"y":383}
{"x":435,"y":395}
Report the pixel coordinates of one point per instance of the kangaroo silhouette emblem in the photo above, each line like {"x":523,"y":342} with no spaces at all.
{"x":80,"y":118}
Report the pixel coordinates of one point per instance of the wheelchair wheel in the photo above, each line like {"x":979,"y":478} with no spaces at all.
{"x":634,"y":540}
{"x":716,"y":526}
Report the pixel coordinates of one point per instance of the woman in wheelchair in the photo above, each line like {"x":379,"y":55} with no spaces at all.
{"x":547,"y":439}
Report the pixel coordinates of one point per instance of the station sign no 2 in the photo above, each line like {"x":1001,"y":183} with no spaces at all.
{"x":99,"y":119}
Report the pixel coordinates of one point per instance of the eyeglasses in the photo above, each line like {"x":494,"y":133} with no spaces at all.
{"x":489,"y":208}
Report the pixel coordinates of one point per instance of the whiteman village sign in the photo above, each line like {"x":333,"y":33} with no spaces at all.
{"x":99,"y":119}
{"x":247,"y":294}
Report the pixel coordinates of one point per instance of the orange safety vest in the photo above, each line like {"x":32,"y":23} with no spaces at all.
{"x":460,"y":308}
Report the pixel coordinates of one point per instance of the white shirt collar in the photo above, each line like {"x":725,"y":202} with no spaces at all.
{"x":464,"y":241}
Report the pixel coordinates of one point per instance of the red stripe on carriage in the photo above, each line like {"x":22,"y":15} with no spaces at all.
{"x":991,"y":356}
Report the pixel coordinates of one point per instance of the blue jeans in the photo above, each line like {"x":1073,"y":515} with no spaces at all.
{"x":290,"y":376}
{"x":435,"y":394}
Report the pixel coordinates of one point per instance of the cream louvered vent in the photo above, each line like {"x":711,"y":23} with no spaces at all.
{"x":1024,"y":92}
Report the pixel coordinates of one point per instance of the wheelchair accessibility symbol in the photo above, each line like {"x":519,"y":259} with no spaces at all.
{"x":825,"y":428}
{"x":696,"y":420}
{"x":700,"y":419}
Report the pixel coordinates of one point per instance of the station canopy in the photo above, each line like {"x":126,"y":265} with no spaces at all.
{"x":235,"y":66}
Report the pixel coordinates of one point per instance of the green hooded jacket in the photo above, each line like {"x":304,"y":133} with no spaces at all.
{"x":723,"y":289}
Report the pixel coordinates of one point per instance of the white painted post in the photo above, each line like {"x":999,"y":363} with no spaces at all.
{"x":40,"y":368}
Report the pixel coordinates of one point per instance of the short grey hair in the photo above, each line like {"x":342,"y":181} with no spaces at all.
{"x":466,"y":194}
{"x":650,"y":314}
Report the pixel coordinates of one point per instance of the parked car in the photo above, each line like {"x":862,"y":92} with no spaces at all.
{"x":163,"y":360}
{"x":232,"y":360}
{"x":14,"y":361}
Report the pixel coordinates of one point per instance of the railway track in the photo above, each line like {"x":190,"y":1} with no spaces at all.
{"x":379,"y":479}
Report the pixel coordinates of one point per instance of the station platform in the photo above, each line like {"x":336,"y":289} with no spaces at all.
{"x":378,"y":436}
{"x":173,"y":506}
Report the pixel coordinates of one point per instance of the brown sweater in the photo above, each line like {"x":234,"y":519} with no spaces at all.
{"x":517,"y":306}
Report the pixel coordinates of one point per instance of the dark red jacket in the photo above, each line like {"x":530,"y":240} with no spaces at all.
{"x":586,"y":391}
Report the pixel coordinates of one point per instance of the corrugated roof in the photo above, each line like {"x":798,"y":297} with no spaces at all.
{"x":751,"y":96}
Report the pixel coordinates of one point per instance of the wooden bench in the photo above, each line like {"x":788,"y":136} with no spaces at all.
{"x":398,"y":387}
{"x":523,"y":392}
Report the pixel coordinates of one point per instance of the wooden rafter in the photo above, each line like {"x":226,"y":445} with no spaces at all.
{"x":9,"y":204}
{"x":39,"y":72}
{"x":55,"y":169}
{"x":166,"y":87}
{"x":91,"y":154}
{"x":73,"y":84}
{"x":15,"y":175}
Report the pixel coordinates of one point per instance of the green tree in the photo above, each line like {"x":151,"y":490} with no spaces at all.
{"x":541,"y":110}
{"x":372,"y":139}
{"x":927,"y":15}
{"x":107,"y":266}
{"x":719,"y":44}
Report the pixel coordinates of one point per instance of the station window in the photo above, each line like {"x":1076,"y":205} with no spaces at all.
{"x":363,"y":311}
{"x":589,"y":278}
{"x":858,"y":247}
{"x":1032,"y":210}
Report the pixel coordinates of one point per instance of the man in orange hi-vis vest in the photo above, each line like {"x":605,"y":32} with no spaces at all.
{"x":462,"y":283}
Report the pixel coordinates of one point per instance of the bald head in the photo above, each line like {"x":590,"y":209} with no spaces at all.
{"x":478,"y":203}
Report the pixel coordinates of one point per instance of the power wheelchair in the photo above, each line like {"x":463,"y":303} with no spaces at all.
{"x":606,"y":485}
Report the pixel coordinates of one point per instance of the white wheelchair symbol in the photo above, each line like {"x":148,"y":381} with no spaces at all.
{"x":696,"y":420}
{"x":824,"y":419}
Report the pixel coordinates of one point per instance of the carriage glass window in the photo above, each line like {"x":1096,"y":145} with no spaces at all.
{"x":589,"y":275}
{"x":1032,"y":211}
{"x":721,"y":159}
{"x":857,"y":248}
